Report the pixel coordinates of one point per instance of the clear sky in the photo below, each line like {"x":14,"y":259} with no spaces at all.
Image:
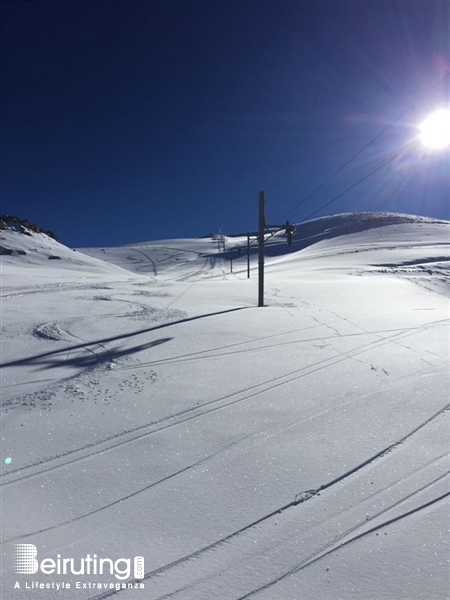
{"x":126,"y":121}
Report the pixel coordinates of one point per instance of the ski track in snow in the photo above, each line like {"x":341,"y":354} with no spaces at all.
{"x":331,"y":547}
{"x":131,"y":495}
{"x":326,"y":549}
{"x":54,"y":288}
{"x":304,"y":497}
{"x":170,"y":266}
{"x":181,"y":417}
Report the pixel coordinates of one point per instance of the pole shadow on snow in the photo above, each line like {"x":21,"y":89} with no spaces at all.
{"x":44,"y":358}
{"x":90,"y":358}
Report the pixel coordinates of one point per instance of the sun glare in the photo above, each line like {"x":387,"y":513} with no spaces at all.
{"x":435,"y":130}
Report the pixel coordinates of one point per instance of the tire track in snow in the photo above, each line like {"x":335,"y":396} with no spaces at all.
{"x":51,"y":330}
{"x":191,"y":274}
{"x":300,"y":499}
{"x":331,"y":547}
{"x":101,"y":447}
{"x":208,"y":354}
{"x":63,"y":287}
{"x":131,"y":495}
{"x":363,"y":329}
{"x":155,"y":271}
{"x":179,"y":256}
{"x":200,"y":353}
{"x":327,"y":549}
{"x":307,"y":495}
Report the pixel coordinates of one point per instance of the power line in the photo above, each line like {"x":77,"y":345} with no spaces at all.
{"x":350,"y":160}
{"x":342,"y":193}
{"x":362,"y":150}
{"x":351,"y":187}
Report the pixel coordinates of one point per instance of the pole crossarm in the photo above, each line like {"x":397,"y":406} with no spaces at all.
{"x":288,"y":229}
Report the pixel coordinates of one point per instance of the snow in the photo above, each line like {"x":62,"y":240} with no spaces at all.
{"x":296,"y":450}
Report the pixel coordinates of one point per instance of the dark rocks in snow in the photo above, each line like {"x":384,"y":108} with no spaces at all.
{"x":10,"y":252}
{"x":23,"y":226}
{"x":54,"y":257}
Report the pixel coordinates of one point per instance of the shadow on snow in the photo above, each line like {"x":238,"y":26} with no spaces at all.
{"x":45,"y":358}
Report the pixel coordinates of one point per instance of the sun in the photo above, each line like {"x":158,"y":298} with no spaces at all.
{"x":435,"y":130}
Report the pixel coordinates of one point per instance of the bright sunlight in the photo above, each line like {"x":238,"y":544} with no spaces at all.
{"x":435,"y":130}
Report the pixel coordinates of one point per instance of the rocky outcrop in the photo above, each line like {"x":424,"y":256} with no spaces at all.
{"x":23,"y":226}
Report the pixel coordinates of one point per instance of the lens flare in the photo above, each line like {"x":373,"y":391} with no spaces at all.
{"x":435,"y":130}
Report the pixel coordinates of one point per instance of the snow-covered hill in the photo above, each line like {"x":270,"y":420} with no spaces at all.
{"x":20,"y":251}
{"x":298,"y":450}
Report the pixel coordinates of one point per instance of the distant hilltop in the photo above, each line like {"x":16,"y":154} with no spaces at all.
{"x":23,"y":226}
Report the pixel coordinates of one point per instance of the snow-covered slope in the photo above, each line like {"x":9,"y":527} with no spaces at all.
{"x":173,"y":258}
{"x":20,"y":251}
{"x":298,"y":450}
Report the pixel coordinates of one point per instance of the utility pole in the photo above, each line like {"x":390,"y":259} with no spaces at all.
{"x":221,"y":240}
{"x":261,"y":225}
{"x":289,"y":229}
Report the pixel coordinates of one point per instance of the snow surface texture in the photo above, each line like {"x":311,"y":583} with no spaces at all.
{"x":296,"y":451}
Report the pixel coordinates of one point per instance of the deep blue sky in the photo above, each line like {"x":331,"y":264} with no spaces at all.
{"x":126,"y":121}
